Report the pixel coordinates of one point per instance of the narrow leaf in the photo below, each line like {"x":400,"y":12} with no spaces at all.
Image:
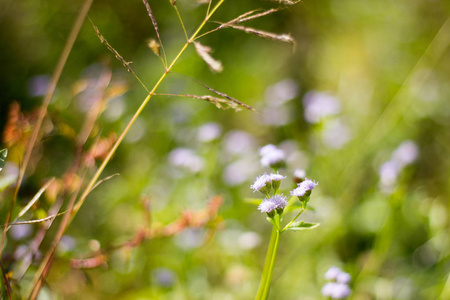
{"x":35,"y":198}
{"x":3,"y":154}
{"x":228,"y":97}
{"x":301,"y":225}
{"x":203,"y":52}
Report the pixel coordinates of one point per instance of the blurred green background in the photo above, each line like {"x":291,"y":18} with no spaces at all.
{"x":361,"y":103}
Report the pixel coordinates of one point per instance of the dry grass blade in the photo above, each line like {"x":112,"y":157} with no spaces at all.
{"x":32,"y":201}
{"x":286,"y":38}
{"x":118,"y":56}
{"x":287,"y":2}
{"x":37,"y":220}
{"x":103,"y":180}
{"x":218,"y":102}
{"x":155,"y":25}
{"x":228,"y":97}
{"x":248,"y":16}
{"x":203,"y":52}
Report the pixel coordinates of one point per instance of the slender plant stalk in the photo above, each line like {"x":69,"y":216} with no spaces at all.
{"x":44,"y":267}
{"x":43,"y":111}
{"x":264,"y":285}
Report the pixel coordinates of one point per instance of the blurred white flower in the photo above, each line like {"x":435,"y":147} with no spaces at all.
{"x":280,"y":92}
{"x":336,"y":290}
{"x":239,"y":142}
{"x":336,"y":134}
{"x":406,"y":153}
{"x":209,"y":132}
{"x":249,"y":240}
{"x":319,"y":105}
{"x":271,"y":156}
{"x":239,"y":171}
{"x":276,"y":116}
{"x":388,"y":173}
{"x":186,"y":158}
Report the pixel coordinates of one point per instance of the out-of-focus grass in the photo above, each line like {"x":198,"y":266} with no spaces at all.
{"x":387,"y":63}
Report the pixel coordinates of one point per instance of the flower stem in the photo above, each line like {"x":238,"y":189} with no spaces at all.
{"x":264,"y":285}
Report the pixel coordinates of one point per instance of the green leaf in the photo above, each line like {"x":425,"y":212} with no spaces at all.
{"x":301,"y":225}
{"x":3,"y":154}
{"x":254,"y":201}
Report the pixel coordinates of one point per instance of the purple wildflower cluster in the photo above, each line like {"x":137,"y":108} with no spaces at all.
{"x":338,"y":287}
{"x":304,"y":188}
{"x":272,"y":156}
{"x":277,"y":202}
{"x":405,"y":154}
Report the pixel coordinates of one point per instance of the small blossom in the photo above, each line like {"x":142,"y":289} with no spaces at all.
{"x":319,"y":105}
{"x":260,"y":182}
{"x":267,"y":149}
{"x":304,"y":187}
{"x":209,"y":132}
{"x":336,"y":274}
{"x":343,"y":278}
{"x":276,"y":177}
{"x":267,"y":206}
{"x":336,"y":290}
{"x":406,"y":153}
{"x":277,"y":202}
{"x":273,"y":158}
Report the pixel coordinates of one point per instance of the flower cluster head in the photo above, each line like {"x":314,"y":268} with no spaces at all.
{"x":277,"y":202}
{"x":271,"y":156}
{"x":304,"y":188}
{"x":338,"y":287}
{"x":266,"y":182}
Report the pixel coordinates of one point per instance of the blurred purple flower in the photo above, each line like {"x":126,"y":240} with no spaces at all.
{"x":238,"y":142}
{"x":186,"y":158}
{"x":319,"y":105}
{"x":281,"y":92}
{"x":38,"y":85}
{"x":336,"y":290}
{"x":271,"y":155}
{"x":336,"y":134}
{"x":406,"y":153}
{"x":209,"y":132}
{"x":20,"y":232}
{"x":164,"y":277}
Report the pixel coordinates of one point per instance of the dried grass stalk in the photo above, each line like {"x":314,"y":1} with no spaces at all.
{"x":286,"y":38}
{"x":203,"y":52}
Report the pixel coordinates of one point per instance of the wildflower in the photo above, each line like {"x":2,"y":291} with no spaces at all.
{"x":265,"y":182}
{"x":277,"y":202}
{"x":336,"y":290}
{"x":406,"y":153}
{"x":276,"y":180}
{"x":186,"y":158}
{"x":319,"y":105}
{"x":272,"y":156}
{"x":336,"y":274}
{"x":209,"y":132}
{"x":262,"y":184}
{"x":281,"y":92}
{"x":303,"y":190}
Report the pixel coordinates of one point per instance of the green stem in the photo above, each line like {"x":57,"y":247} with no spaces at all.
{"x":272,"y":263}
{"x":264,"y":285}
{"x":293,"y":220}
